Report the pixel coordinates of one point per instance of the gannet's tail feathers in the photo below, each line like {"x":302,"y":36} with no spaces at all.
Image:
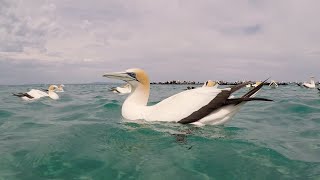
{"x":318,"y":89}
{"x":22,"y":95}
{"x":240,"y":100}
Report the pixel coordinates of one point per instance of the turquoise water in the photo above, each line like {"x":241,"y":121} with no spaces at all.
{"x":83,"y":136}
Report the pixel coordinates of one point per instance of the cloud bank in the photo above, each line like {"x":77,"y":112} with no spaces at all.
{"x":77,"y":41}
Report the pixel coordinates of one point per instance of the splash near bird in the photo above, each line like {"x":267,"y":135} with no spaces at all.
{"x":200,"y":106}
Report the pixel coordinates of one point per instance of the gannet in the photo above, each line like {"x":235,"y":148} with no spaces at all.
{"x":210,"y":83}
{"x":312,"y":84}
{"x":273,"y":84}
{"x":256,"y":84}
{"x":60,"y":88}
{"x":122,"y":90}
{"x":199,"y":106}
{"x":34,"y":94}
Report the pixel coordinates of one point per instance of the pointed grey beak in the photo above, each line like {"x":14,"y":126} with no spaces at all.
{"x":119,"y":75}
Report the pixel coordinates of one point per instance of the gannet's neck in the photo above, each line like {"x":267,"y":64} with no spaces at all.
{"x":133,"y":106}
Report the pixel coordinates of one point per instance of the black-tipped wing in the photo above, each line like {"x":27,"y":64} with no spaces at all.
{"x":222,"y":100}
{"x":236,"y":101}
{"x":214,"y":104}
{"x":23,"y":95}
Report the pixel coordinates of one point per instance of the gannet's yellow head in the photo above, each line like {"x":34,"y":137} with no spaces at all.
{"x":52,"y":87}
{"x":133,"y":76}
{"x":209,"y":83}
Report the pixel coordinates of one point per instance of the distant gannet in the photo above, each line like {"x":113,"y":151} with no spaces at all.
{"x":122,"y":90}
{"x":210,"y":83}
{"x":312,"y":84}
{"x":60,"y":88}
{"x":198,"y":106}
{"x":273,"y":84}
{"x":256,"y":84}
{"x":34,"y":94}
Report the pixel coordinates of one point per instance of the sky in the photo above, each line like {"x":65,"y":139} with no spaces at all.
{"x":64,"y":41}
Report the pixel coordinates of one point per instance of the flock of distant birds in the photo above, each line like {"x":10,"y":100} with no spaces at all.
{"x":206,"y":105}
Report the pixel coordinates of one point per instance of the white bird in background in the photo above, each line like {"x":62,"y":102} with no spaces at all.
{"x":311,"y":85}
{"x":198,"y":106}
{"x":60,"y":88}
{"x":210,"y":83}
{"x":34,"y":94}
{"x":122,"y":90}
{"x":273,"y":84}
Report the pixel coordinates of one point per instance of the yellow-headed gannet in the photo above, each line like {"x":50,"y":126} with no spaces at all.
{"x":34,"y":94}
{"x":256,"y":84}
{"x":311,"y":85}
{"x":199,"y":106}
{"x":122,"y":90}
{"x":210,"y":83}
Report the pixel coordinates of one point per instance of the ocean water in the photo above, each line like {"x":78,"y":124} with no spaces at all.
{"x":83,"y":136}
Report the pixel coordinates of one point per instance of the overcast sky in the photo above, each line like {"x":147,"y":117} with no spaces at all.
{"x":64,"y":41}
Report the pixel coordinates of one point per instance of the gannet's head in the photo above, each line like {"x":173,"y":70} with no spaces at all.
{"x":61,"y":86}
{"x":52,"y":88}
{"x":209,"y":83}
{"x":134,"y":77}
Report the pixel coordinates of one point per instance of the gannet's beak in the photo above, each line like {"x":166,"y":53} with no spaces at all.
{"x":125,"y":76}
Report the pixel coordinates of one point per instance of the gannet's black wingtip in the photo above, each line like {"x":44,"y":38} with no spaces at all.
{"x":236,"y":101}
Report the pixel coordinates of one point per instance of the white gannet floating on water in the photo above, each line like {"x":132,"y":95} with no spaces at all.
{"x":60,"y":88}
{"x":34,"y":94}
{"x":256,"y":84}
{"x":122,"y":90}
{"x":199,"y":106}
{"x":210,"y":83}
{"x":311,"y":85}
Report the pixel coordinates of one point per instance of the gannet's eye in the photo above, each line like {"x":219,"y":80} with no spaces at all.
{"x":132,"y":74}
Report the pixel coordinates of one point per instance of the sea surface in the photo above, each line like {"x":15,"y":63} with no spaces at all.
{"x":83,"y":136}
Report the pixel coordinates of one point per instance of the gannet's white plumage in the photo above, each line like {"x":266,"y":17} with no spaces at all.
{"x":122,"y":90}
{"x":200,"y":106}
{"x":34,"y":94}
{"x":310,"y":84}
